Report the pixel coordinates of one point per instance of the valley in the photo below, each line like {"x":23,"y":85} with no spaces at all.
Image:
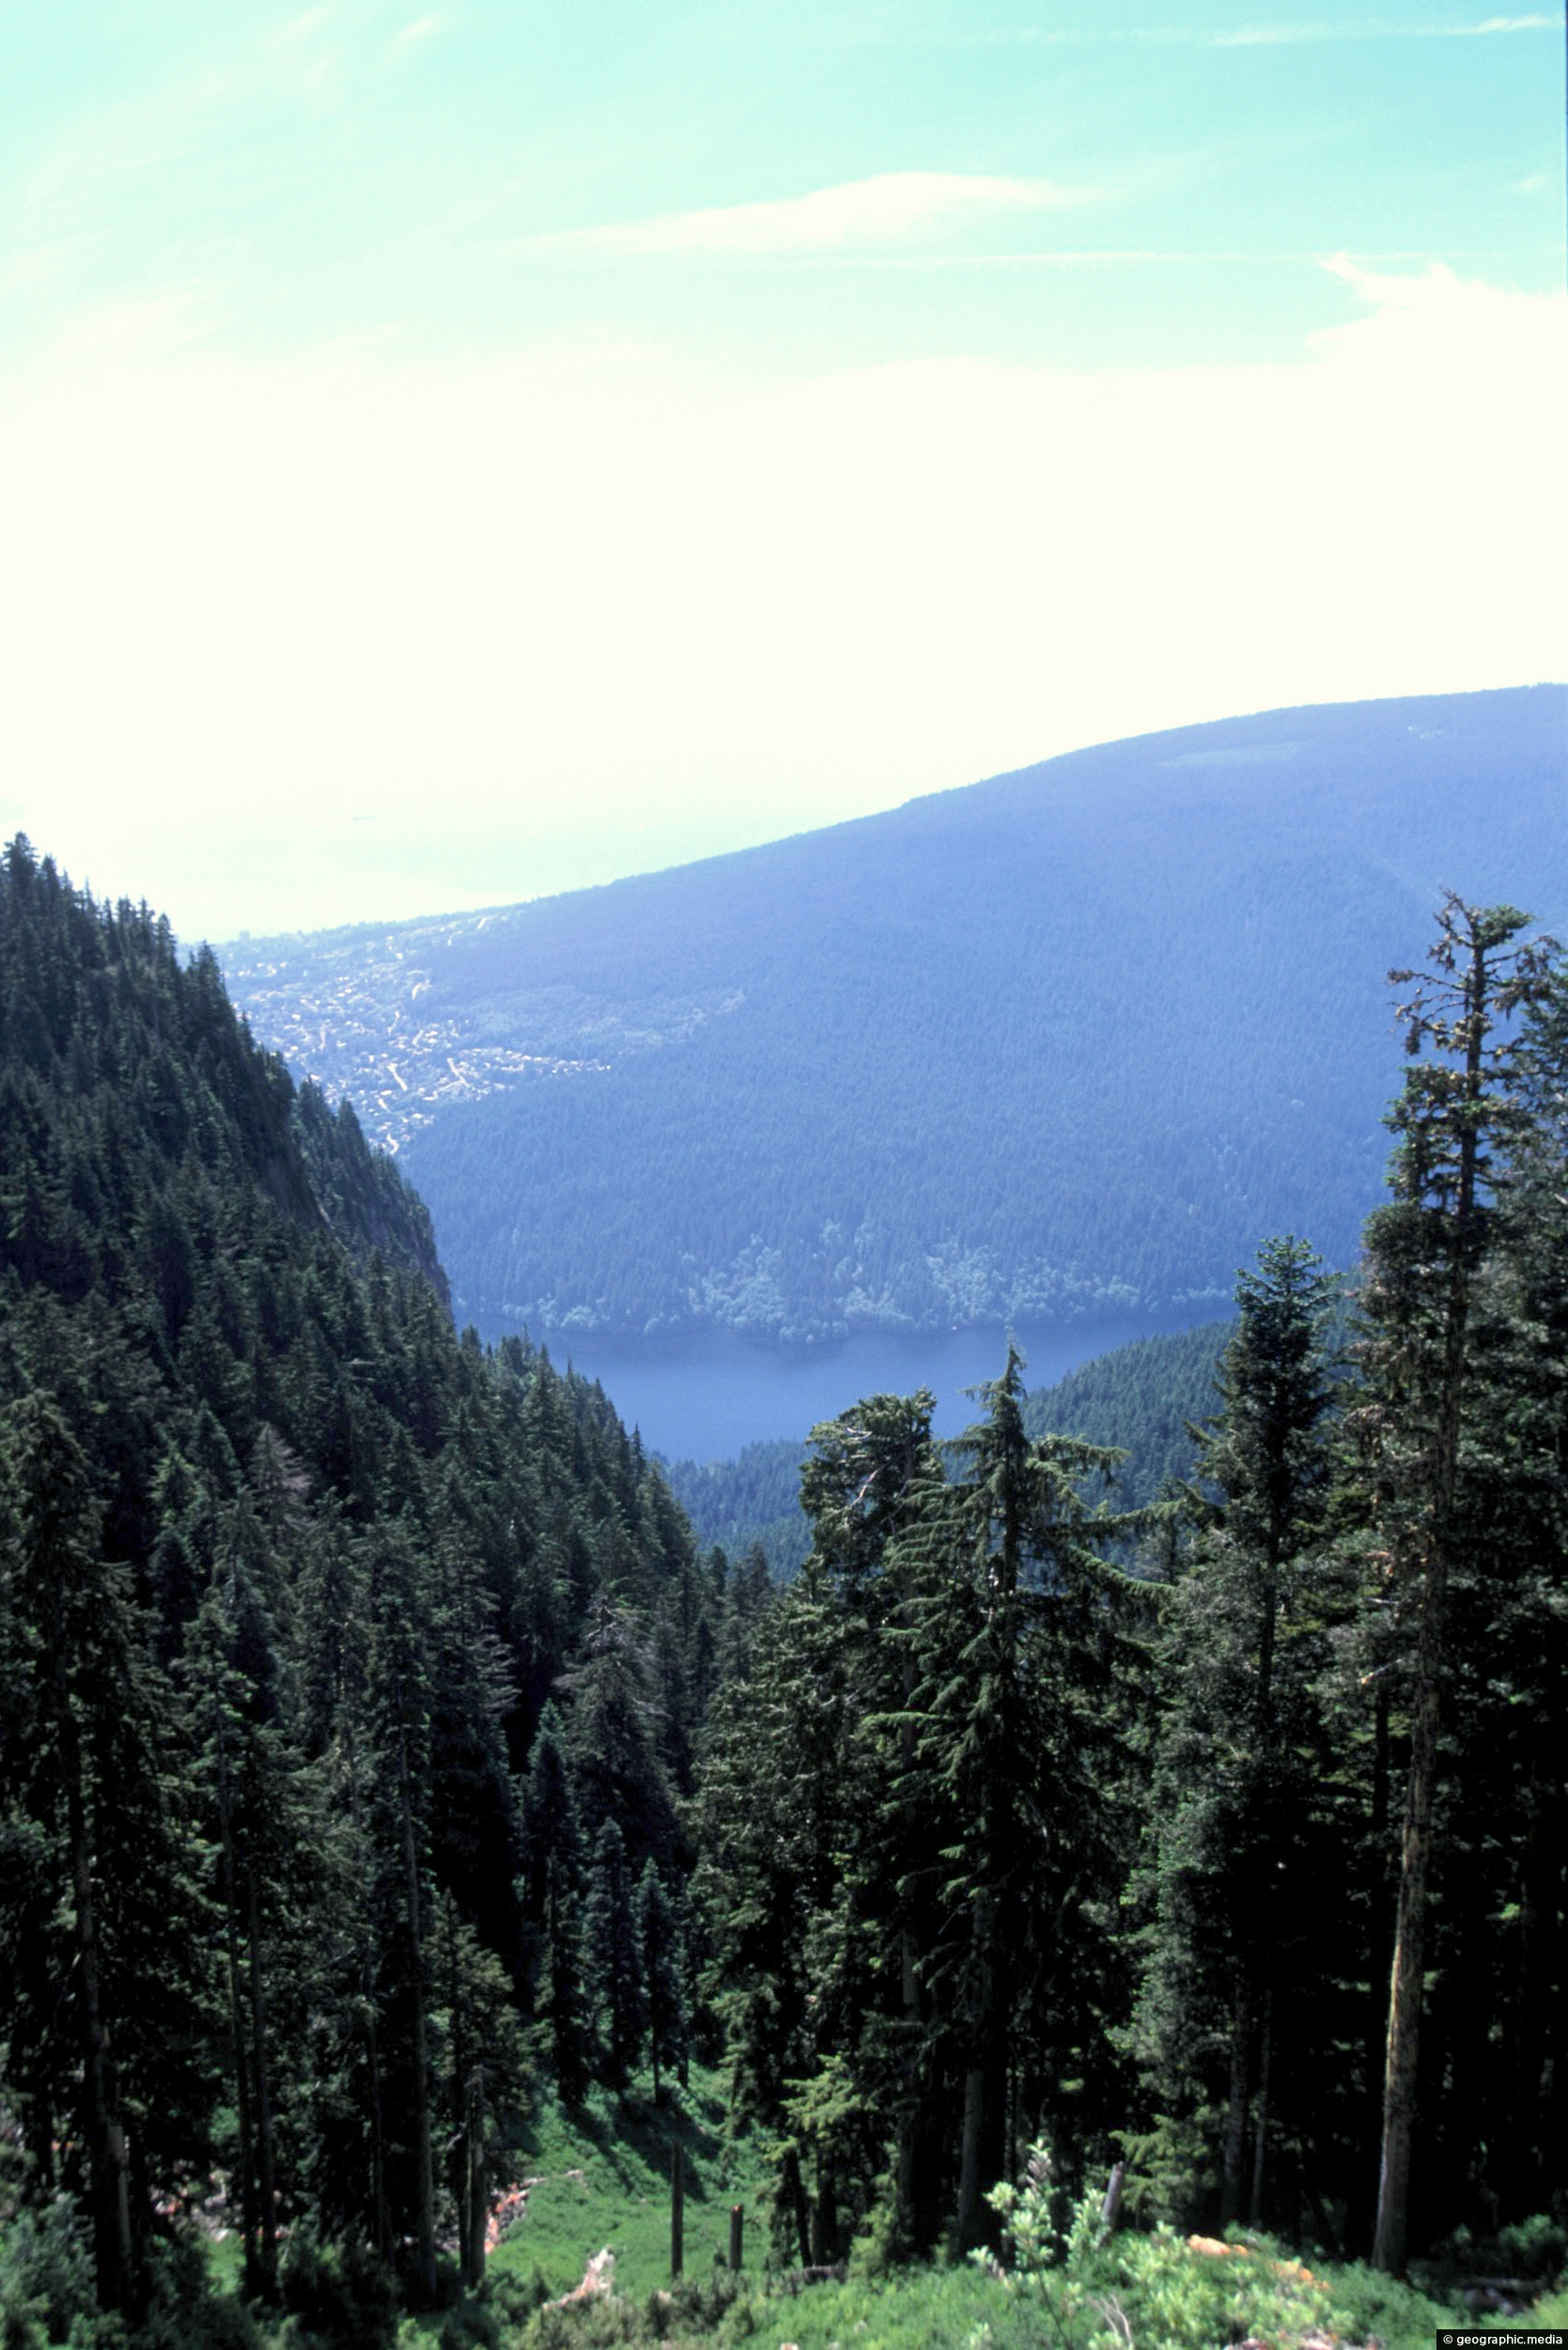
{"x":1053,"y":1051}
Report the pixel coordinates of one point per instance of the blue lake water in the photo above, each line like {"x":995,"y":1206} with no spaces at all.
{"x":704,"y":1396}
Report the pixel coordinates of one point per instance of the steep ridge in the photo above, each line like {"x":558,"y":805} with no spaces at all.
{"x":1067,"y":1042}
{"x":291,"y":1579}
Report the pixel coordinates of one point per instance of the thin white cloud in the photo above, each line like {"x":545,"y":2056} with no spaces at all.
{"x":1248,"y":36}
{"x":421,"y":30}
{"x":885,"y":211}
{"x":1274,"y":36}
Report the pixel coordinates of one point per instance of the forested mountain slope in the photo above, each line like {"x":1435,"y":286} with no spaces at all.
{"x":375,"y":1750}
{"x":1144,"y":1399}
{"x":290,"y":1578}
{"x":1071,"y":1041}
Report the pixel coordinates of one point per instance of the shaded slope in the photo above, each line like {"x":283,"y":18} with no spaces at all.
{"x":289,"y":1572}
{"x":1144,"y":1399}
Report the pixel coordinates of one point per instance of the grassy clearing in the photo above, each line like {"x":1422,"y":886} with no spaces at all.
{"x":601,"y":2176}
{"x":598,"y":2177}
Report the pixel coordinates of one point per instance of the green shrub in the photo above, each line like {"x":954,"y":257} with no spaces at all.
{"x":605,"y":2323}
{"x":471,"y":2324}
{"x":693,"y":2304}
{"x":1371,"y":2306}
{"x":46,"y":2282}
{"x":341,"y":2300}
{"x":1161,"y":2291}
{"x":513,"y":2299}
{"x":184,"y":2312}
{"x":1533,"y":2250}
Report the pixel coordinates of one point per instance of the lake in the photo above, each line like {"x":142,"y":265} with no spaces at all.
{"x":704,"y":1396}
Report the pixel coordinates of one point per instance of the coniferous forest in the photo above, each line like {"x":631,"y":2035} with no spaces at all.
{"x":381,"y":1758}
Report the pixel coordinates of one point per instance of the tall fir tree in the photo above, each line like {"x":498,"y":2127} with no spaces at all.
{"x":1226,"y":2013}
{"x":614,"y":1960}
{"x":1453,"y":1119}
{"x":659,"y":1949}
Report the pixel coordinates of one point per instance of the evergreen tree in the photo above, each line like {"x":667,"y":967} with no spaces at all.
{"x":1017,"y":1647}
{"x":1225,"y":2016}
{"x":554,"y":1880}
{"x":98,"y":1890}
{"x":775,"y":1819}
{"x":359,"y":1553}
{"x":482,"y":2074}
{"x":1423,"y":1254}
{"x":658,"y":1946}
{"x":400,"y":1722}
{"x":614,"y":1960}
{"x":617,"y":1771}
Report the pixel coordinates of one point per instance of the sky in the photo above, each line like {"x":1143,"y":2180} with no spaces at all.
{"x":454,"y":453}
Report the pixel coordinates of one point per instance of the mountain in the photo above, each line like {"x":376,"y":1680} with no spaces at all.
{"x":1067,"y":1042}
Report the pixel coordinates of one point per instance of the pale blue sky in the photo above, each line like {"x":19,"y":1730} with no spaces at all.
{"x":566,"y":437}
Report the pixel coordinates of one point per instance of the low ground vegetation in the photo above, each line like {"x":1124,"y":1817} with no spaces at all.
{"x":597,"y":2181}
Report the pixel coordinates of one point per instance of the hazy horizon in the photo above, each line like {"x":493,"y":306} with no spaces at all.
{"x":450,"y":457}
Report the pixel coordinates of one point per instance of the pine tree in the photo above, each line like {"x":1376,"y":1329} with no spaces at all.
{"x":659,"y":1947}
{"x":1017,"y":1646}
{"x":1423,"y":1253}
{"x":482,"y":2075}
{"x":774,"y":1818}
{"x":103,"y":1898}
{"x":617,"y":1771}
{"x":399,"y":1694}
{"x":1234,"y":1782}
{"x":614,"y":1961}
{"x":554,"y":1879}
{"x":870,"y":1482}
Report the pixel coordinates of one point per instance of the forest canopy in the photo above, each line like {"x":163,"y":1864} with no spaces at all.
{"x":380,"y":1756}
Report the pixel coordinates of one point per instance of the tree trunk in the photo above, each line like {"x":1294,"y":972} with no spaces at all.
{"x":1235,"y":2111}
{"x":795,"y":2193}
{"x":236,"y":2018}
{"x":1408,"y":1971}
{"x":425,"y":2192}
{"x":266,"y":2179}
{"x":824,"y":2218}
{"x":1523,"y":2143}
{"x":1407,"y":1975}
{"x":461,"y":2116}
{"x":984,"y":2142}
{"x":368,"y":1987}
{"x":475,"y":2198}
{"x":1260,"y":2126}
{"x":918,"y":2221}
{"x":111,"y":2185}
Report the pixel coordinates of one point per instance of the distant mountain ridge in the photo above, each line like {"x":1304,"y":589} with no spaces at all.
{"x":1068,"y":1041}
